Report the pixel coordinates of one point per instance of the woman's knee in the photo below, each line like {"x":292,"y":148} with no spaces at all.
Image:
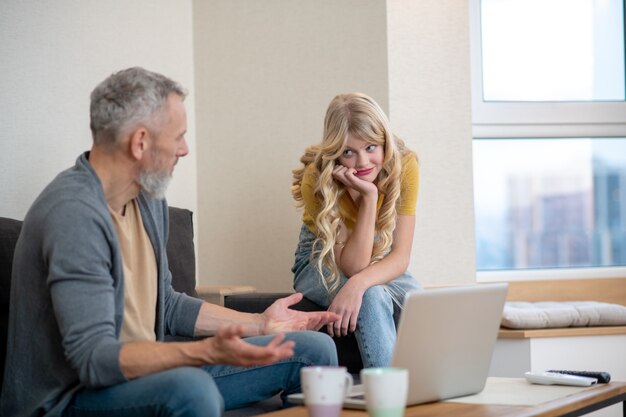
{"x":377,"y":296}
{"x":309,"y":283}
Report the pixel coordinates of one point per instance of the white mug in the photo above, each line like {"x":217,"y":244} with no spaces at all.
{"x":385,"y":391}
{"x":325,"y":388}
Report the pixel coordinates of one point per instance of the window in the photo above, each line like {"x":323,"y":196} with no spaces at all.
{"x":549,"y":203}
{"x":549,"y":127}
{"x":552,"y":50}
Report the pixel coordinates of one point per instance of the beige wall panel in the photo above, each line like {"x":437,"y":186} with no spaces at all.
{"x":265,"y":72}
{"x":429,"y":99}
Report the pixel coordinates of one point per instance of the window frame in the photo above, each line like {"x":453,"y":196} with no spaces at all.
{"x":528,"y":120}
{"x":536,"y":119}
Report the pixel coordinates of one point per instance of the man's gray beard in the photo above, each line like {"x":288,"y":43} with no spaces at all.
{"x":155,"y":183}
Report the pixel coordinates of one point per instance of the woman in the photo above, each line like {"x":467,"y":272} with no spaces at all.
{"x":358,"y":189}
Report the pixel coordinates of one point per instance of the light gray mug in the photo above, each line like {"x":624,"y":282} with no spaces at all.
{"x":325,"y":388}
{"x":386,"y":391}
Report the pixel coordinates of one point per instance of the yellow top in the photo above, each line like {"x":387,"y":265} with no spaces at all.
{"x":409,"y":179}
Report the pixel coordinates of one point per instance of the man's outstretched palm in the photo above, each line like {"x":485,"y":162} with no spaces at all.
{"x":279,"y":318}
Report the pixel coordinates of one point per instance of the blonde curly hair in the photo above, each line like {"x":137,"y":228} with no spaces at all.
{"x":359,"y":115}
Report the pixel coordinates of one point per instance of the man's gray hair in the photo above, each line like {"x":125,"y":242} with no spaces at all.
{"x":126,"y":100}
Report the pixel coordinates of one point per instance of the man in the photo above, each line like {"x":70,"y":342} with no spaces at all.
{"x":91,"y":296}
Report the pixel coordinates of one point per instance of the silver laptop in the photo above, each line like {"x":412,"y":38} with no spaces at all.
{"x":445,"y":339}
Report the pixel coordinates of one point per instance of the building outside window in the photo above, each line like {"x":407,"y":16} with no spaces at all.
{"x":549,"y":127}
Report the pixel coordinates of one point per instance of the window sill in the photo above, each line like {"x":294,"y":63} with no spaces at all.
{"x":550,"y":274}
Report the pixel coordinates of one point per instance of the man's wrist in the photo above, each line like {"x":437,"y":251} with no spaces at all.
{"x":261,"y":324}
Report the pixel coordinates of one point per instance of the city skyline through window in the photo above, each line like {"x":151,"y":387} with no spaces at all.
{"x":550,"y":203}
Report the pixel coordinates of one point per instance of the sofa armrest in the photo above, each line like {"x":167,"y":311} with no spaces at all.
{"x":251,"y":303}
{"x":181,"y":251}
{"x":258,"y":302}
{"x":215,"y":294}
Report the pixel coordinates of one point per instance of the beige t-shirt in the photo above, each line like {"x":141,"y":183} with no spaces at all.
{"x":140,"y":275}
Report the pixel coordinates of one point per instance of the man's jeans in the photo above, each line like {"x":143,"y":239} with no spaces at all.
{"x":207,"y":391}
{"x":380,"y":308}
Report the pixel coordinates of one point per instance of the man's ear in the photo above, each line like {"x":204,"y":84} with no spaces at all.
{"x":138,"y":143}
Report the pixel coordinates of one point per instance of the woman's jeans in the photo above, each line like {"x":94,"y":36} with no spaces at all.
{"x":207,"y":391}
{"x":380,"y":310}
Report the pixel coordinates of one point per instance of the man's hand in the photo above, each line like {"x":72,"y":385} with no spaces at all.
{"x":228,"y":348}
{"x":280,"y":318}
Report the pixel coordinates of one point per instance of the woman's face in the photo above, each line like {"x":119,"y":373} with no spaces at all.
{"x":364,"y":157}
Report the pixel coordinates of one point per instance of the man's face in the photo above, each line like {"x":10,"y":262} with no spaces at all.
{"x":167,"y":146}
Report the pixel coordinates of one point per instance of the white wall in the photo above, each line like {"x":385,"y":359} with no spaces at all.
{"x":53,"y":53}
{"x":265,"y":72}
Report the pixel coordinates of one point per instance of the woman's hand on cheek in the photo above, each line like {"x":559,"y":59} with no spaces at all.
{"x":347,"y":176}
{"x":340,"y":173}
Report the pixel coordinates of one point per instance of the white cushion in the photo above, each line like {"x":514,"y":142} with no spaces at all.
{"x":550,"y":314}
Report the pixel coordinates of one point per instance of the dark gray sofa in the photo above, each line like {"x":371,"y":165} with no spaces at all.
{"x":181,"y":256}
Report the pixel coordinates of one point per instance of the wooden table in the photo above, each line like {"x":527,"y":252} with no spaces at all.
{"x":573,"y":402}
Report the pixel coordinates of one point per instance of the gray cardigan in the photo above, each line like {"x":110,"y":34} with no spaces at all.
{"x":67,"y":295}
